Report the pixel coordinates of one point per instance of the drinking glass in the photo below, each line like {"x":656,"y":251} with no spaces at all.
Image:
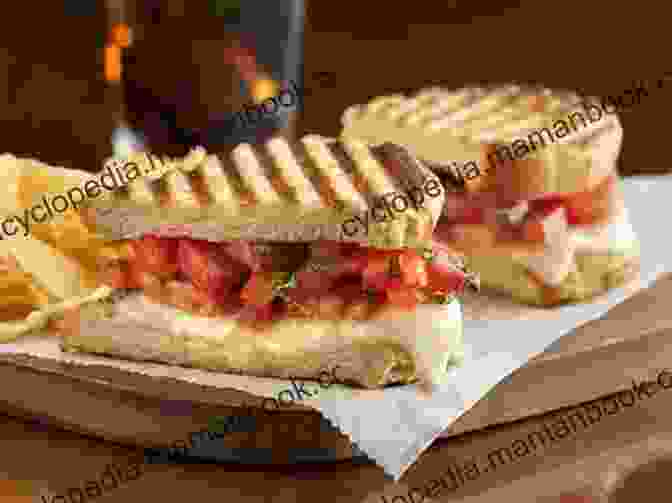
{"x":188,"y":72}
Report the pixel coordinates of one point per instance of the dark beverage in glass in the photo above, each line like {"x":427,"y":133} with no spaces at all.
{"x":197,"y":72}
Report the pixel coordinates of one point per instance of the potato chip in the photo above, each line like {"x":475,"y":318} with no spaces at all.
{"x":58,"y":273}
{"x":10,"y":174}
{"x":18,"y":294}
{"x":53,"y":266}
{"x":67,"y":231}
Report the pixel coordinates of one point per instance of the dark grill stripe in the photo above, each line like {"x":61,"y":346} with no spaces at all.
{"x":199,"y":187}
{"x":345,"y":162}
{"x":274,"y":175}
{"x":241,"y":191}
{"x":310,"y":168}
{"x":353,"y":171}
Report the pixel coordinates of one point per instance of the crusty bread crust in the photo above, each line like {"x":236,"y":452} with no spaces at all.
{"x":371,"y":353}
{"x":570,"y":163}
{"x":595,"y":274}
{"x":280,"y":191}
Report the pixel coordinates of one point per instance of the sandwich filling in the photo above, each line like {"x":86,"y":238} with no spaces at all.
{"x":542,"y":234}
{"x":262,"y":282}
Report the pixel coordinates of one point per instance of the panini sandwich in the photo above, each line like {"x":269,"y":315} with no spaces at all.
{"x":532,"y":197}
{"x":243,"y":264}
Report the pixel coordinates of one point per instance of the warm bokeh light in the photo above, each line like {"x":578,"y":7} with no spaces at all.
{"x":263,"y":88}
{"x":112,"y":63}
{"x":16,"y":491}
{"x":120,"y":35}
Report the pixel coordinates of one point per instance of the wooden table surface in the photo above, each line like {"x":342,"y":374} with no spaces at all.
{"x":51,"y":461}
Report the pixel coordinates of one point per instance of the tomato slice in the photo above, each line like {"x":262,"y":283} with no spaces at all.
{"x":591,"y":206}
{"x":264,"y":313}
{"x":353,"y":263}
{"x":134,"y":276}
{"x":581,"y":208}
{"x":349,"y":290}
{"x":115,"y":276}
{"x":156,"y":255}
{"x":208,"y":267}
{"x":200,"y":297}
{"x":243,"y":253}
{"x":252,"y":313}
{"x":533,"y":230}
{"x":258,"y":291}
{"x":546,"y":205}
{"x":402,"y":296}
{"x":472,"y":216}
{"x":185,"y":296}
{"x":532,"y":227}
{"x":413,"y":268}
{"x":193,"y":260}
{"x":352,"y":249}
{"x":313,"y":282}
{"x":376,"y":273}
{"x":444,"y":279}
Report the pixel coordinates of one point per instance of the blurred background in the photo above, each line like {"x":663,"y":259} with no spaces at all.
{"x":81,"y":76}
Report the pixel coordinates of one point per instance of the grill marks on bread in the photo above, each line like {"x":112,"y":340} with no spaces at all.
{"x":375,"y":178}
{"x":486,"y":115}
{"x":241,"y":194}
{"x":324,"y":194}
{"x":179,"y":191}
{"x":348,"y":168}
{"x":333,"y":176}
{"x":314,"y":172}
{"x":289,"y":170}
{"x":210,"y":182}
{"x":481,"y":106}
{"x":254,"y":175}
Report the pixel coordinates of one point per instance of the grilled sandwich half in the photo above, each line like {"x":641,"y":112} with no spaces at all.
{"x":314,"y":189}
{"x":532,"y":196}
{"x":252,"y":264}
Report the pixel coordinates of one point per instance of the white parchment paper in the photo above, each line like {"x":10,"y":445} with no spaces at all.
{"x":395,"y":429}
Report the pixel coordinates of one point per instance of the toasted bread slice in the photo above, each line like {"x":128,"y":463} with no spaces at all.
{"x":315,"y":189}
{"x":398,"y":346}
{"x":533,"y":140}
{"x":593,"y":274}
